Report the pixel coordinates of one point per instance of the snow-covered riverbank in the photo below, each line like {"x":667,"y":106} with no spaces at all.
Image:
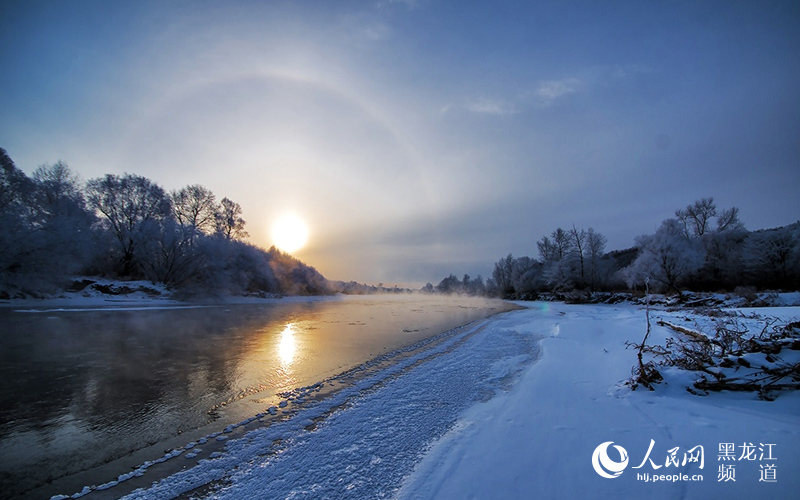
{"x":540,"y":437}
{"x":513,"y":407}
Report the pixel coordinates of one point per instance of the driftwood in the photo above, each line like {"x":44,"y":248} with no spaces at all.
{"x":693,"y":350}
{"x":695,"y":335}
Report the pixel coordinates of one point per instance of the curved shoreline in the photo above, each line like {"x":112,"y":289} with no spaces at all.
{"x":105,"y":473}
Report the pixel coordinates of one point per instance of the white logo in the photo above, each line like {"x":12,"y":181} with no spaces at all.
{"x":603,"y":464}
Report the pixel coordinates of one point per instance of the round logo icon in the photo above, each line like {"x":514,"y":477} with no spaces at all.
{"x":603,"y":464}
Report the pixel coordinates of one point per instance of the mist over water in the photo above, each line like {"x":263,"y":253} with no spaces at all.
{"x":84,"y":387}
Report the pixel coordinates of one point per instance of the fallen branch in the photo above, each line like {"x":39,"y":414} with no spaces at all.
{"x":694,"y":334}
{"x":720,"y":359}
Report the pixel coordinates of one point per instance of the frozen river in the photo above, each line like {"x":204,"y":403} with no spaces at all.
{"x":89,"y":393}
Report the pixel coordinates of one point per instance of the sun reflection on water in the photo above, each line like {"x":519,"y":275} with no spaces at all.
{"x":287,"y":344}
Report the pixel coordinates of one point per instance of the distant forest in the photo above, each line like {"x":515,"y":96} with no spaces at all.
{"x":54,"y":227}
{"x":701,"y":248}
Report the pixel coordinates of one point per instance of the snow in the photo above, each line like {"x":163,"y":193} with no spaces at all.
{"x":510,"y":407}
{"x":540,"y":436}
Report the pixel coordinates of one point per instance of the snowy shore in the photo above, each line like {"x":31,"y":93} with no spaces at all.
{"x":540,"y":436}
{"x":513,"y":407}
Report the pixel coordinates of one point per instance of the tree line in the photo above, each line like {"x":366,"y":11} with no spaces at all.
{"x":700,"y":248}
{"x":53,"y":227}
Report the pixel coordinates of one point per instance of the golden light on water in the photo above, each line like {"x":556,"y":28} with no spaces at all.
{"x":287,"y":345}
{"x":289,"y":233}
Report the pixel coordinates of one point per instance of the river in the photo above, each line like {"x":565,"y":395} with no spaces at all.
{"x":87,"y":393}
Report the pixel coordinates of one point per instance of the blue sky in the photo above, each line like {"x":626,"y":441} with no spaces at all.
{"x":418,"y":138}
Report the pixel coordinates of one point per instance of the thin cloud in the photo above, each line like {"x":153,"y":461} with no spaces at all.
{"x":555,"y":89}
{"x":497,"y":107}
{"x":410,"y":4}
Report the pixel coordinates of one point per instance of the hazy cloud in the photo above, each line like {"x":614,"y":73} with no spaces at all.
{"x":489,"y":106}
{"x":408,"y":3}
{"x":554,"y":89}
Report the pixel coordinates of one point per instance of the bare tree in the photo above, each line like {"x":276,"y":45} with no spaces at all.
{"x":131,"y":207}
{"x":15,"y":189}
{"x":45,"y":228}
{"x":64,"y":224}
{"x":772,"y":256}
{"x":696,"y":217}
{"x":555,"y":247}
{"x":230,"y":223}
{"x":195,"y":208}
{"x":58,"y":194}
{"x":167,"y":256}
{"x":596,"y":247}
{"x":562,"y":243}
{"x":547,"y":250}
{"x":14,"y":184}
{"x":502,"y":274}
{"x":557,"y":255}
{"x":728,"y":220}
{"x":577,"y":243}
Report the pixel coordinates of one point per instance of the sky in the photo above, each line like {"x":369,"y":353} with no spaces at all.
{"x":421,"y":137}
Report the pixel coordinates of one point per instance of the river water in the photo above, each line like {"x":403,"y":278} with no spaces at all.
{"x":87,"y":392}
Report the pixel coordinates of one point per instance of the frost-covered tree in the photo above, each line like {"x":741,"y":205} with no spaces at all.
{"x":294,"y":277}
{"x":449,"y":285}
{"x":556,"y":252}
{"x":51,"y":228}
{"x":696,"y":218}
{"x":64,"y":223}
{"x":728,"y":220}
{"x":503,"y":275}
{"x":195,"y":208}
{"x":132,"y":208}
{"x":230,"y":223}
{"x":555,"y":247}
{"x":57,"y":192}
{"x":772,"y":257}
{"x":45,"y":227}
{"x":15,"y":191}
{"x":526,"y":276}
{"x":15,"y":187}
{"x":466,"y":282}
{"x":477,"y":286}
{"x":721,"y":242}
{"x":595,"y":249}
{"x":168,"y":256}
{"x":667,"y":257}
{"x":723,"y":254}
{"x":578,"y":246}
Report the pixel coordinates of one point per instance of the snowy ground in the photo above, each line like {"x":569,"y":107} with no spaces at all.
{"x":516,"y":406}
{"x":540,"y":436}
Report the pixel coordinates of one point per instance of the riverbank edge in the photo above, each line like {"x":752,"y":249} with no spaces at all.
{"x":144,"y":466}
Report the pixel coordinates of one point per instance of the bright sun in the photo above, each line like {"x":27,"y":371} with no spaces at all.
{"x":289,"y":233}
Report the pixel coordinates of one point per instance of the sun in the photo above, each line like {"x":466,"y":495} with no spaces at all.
{"x":289,"y":233}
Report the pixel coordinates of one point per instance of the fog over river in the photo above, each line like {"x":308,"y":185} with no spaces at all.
{"x":85,"y":388}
